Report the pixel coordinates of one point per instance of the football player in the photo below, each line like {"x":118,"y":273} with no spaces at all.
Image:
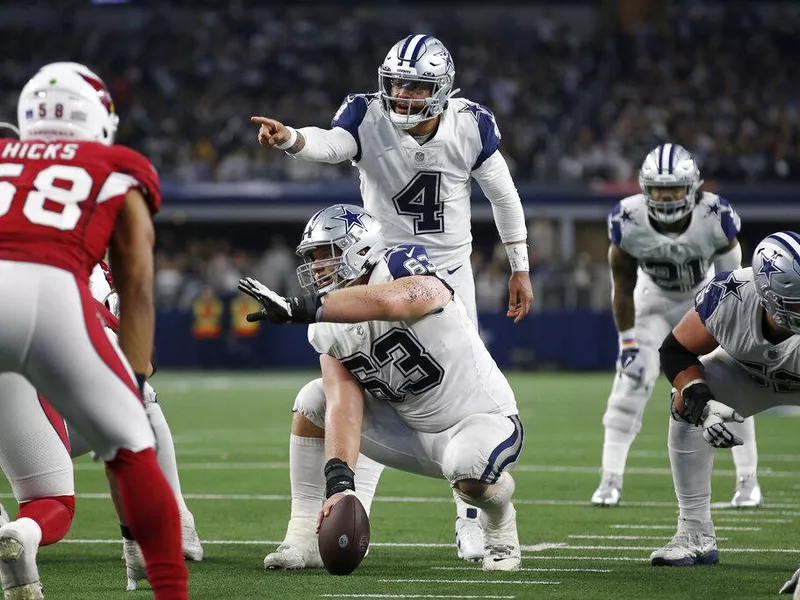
{"x":66,"y":196}
{"x":405,"y":375}
{"x":416,"y":148}
{"x":663,"y":243}
{"x":733,"y":355}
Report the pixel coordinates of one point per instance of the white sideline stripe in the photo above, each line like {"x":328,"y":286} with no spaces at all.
{"x":649,"y":549}
{"x":404,"y":596}
{"x":629,"y":537}
{"x":722,"y":519}
{"x":588,"y":558}
{"x":254,"y":466}
{"x":467,"y":581}
{"x":538,"y":570}
{"x":672,"y":527}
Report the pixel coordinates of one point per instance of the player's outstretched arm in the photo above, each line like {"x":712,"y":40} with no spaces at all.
{"x":728,"y":258}
{"x":309,"y":143}
{"x":403,"y":299}
{"x":131,"y":254}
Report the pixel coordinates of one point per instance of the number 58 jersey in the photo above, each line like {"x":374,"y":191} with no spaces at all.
{"x":676,"y":265}
{"x":434,"y":371}
{"x":59,"y":200}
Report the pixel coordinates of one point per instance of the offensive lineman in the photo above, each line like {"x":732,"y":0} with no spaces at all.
{"x":416,"y":148}
{"x":405,"y":373}
{"x":663,"y":242}
{"x":732,"y":356}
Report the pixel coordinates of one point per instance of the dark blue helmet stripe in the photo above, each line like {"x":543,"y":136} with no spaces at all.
{"x":417,"y":48}
{"x":671,"y":165}
{"x":405,"y":47}
{"x":791,"y":245}
{"x":660,"y":158}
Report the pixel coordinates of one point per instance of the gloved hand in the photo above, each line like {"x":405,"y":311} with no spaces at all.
{"x":277,"y":309}
{"x":715,"y":433}
{"x":631,"y":363}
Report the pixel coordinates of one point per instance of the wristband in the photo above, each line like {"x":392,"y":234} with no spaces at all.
{"x":290,"y":142}
{"x":627,"y":338}
{"x":338,"y":477}
{"x":518,"y":257}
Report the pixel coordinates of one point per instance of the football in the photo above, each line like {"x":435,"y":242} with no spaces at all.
{"x":344,"y":536}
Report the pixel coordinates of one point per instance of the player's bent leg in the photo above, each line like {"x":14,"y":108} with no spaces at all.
{"x":692,"y":460}
{"x":475,"y":460}
{"x":747,"y":493}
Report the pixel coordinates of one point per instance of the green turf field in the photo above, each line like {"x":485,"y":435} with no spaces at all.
{"x":231,"y":437}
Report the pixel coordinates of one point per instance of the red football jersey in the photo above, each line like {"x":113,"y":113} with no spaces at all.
{"x":59,"y":200}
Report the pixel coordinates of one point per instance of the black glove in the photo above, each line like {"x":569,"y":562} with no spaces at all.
{"x":695,"y":398}
{"x":277,"y":309}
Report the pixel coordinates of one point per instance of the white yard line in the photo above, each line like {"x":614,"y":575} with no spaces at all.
{"x":672,"y":527}
{"x":468,"y":581}
{"x":532,"y":569}
{"x":648,"y":549}
{"x":587,"y":558}
{"x":628,"y":537}
{"x":404,"y":596}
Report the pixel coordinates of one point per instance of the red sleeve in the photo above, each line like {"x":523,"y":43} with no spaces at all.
{"x":132,"y":163}
{"x":109,"y":320}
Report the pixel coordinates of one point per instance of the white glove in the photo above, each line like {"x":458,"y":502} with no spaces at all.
{"x":715,"y":415}
{"x":791,"y":585}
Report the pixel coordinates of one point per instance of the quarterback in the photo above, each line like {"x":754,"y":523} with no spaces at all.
{"x":733,"y":355}
{"x":417,"y":149}
{"x":406,"y":377}
{"x":664,"y":242}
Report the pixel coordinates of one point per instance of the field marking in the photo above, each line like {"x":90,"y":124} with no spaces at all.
{"x":628,"y":537}
{"x":672,"y":527}
{"x":281,"y":465}
{"x":648,"y":548}
{"x":586,"y":558}
{"x":404,"y":596}
{"x":724,"y":519}
{"x":482,"y":581}
{"x":532,"y":569}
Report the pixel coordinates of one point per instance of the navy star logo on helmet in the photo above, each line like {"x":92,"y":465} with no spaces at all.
{"x":768,"y":267}
{"x":350,"y":219}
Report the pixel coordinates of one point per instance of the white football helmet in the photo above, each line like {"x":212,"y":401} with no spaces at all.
{"x":776,"y":272}
{"x":102,"y":289}
{"x":66,"y":100}
{"x":355,"y":242}
{"x":417,"y":61}
{"x":670,"y":165}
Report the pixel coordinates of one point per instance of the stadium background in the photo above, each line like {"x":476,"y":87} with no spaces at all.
{"x":581,"y":90}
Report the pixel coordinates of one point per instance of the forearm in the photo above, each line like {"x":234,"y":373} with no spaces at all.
{"x":399,"y":300}
{"x":729,"y":260}
{"x":320,"y":145}
{"x":343,"y":418}
{"x":624,"y":310}
{"x":137,"y":323}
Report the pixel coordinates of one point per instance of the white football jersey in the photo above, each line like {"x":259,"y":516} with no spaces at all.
{"x":676,"y":264}
{"x":434,"y":371}
{"x":731,"y":311}
{"x":421,"y":192}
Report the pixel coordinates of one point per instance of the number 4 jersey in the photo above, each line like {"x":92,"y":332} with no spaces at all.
{"x":59,"y":200}
{"x":675,"y":264}
{"x":434,"y":371}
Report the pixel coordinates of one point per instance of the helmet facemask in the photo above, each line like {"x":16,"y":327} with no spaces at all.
{"x":670,"y":211}
{"x":410,"y":100}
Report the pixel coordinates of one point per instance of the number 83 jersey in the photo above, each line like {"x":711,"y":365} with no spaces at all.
{"x":434,"y":371}
{"x":421,"y":192}
{"x":59,"y":200}
{"x":678,"y":263}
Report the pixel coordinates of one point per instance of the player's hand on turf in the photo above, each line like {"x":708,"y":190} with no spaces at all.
{"x":520,"y":295}
{"x":715,"y":432}
{"x":271,"y":132}
{"x":327,"y":506}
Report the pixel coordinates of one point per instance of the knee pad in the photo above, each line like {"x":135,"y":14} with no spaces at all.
{"x":310,"y":402}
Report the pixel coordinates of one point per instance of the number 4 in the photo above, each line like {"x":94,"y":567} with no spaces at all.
{"x":420,"y":200}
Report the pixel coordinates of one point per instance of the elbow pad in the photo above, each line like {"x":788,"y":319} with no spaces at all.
{"x":675,"y":358}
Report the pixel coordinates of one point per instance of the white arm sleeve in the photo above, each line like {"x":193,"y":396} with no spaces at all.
{"x":326,"y":145}
{"x":728,"y":261}
{"x":495,"y":180}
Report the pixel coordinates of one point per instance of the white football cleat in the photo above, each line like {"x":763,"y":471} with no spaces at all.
{"x":609,"y":492}
{"x":134,"y":564}
{"x":502,"y":551}
{"x":691,"y":545}
{"x":19,"y":543}
{"x":747,"y":493}
{"x":4,"y":516}
{"x":792,"y":587}
{"x":192,"y":548}
{"x":469,"y":539}
{"x":299,"y":549}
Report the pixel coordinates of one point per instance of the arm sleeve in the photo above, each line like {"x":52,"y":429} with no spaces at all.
{"x":495,"y":180}
{"x":327,"y":145}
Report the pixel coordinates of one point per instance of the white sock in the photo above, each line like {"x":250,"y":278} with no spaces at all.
{"x":464,"y":510}
{"x":692,"y":460}
{"x":165,"y":450}
{"x":495,"y":501}
{"x":745,"y":457}
{"x":307,"y":476}
{"x":368,"y":473}
{"x":616,"y":446}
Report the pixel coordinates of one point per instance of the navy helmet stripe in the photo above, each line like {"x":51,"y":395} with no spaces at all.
{"x":420,"y":45}
{"x":405,"y":47}
{"x":791,"y":245}
{"x":671,"y":164}
{"x":660,"y":158}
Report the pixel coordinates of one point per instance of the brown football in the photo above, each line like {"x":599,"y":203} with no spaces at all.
{"x":344,"y":536}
